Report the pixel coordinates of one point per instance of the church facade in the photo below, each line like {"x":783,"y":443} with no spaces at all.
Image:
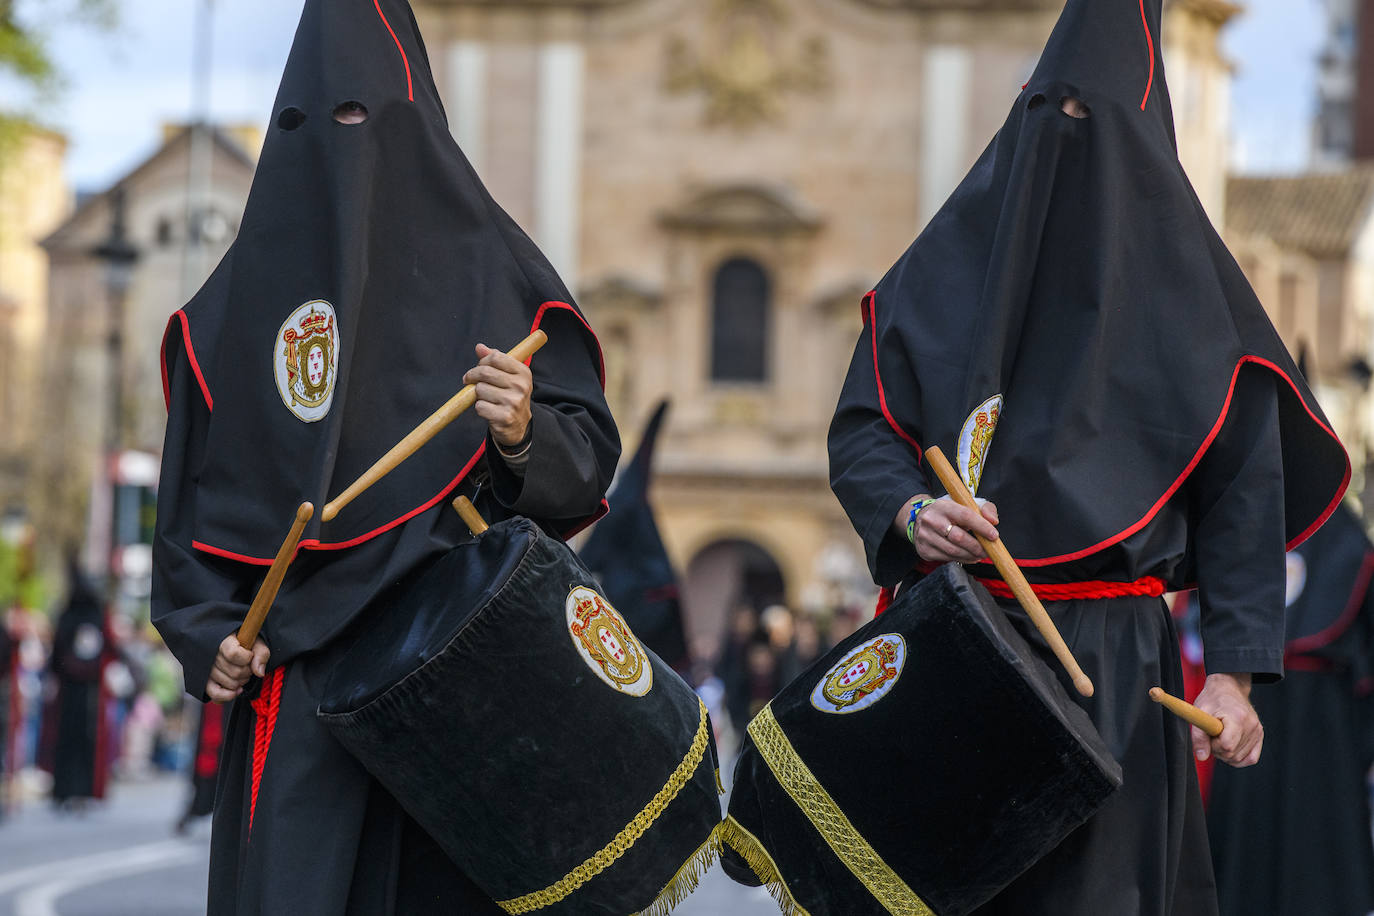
{"x":720,"y":181}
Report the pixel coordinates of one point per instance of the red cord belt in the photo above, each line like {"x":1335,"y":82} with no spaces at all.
{"x":1069,"y":591}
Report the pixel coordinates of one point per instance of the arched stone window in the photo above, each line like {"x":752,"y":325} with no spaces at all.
{"x":739,"y":322}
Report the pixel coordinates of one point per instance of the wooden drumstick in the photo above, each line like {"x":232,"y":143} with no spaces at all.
{"x":1011,"y":574}
{"x":427,"y":430}
{"x":267,"y":592}
{"x":1187,"y":711}
{"x":471,"y":517}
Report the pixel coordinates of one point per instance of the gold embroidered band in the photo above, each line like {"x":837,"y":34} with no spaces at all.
{"x":820,"y":809}
{"x":625,"y":839}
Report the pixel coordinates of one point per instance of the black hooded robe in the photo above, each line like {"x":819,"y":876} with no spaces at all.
{"x":370,"y":261}
{"x":1071,"y":328}
{"x":77,"y":664}
{"x":1291,"y":835}
{"x":626,"y":553}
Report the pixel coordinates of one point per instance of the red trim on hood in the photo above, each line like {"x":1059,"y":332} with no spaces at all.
{"x":1202,"y":450}
{"x":316,"y":544}
{"x":410,"y":85}
{"x":1353,"y":605}
{"x":871,"y":319}
{"x":180,"y":315}
{"x":1150,"y":43}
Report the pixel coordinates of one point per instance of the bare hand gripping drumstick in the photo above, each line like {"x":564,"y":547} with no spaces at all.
{"x":267,"y":592}
{"x":1187,"y":712}
{"x":1011,"y":574}
{"x":427,"y":430}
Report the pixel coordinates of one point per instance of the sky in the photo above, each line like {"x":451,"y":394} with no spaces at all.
{"x":122,"y":86}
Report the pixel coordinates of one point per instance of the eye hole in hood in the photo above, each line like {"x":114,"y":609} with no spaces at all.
{"x":350,"y":112}
{"x":290,"y":118}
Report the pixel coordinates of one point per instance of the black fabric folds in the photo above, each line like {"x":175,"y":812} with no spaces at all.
{"x":1290,"y":835}
{"x":967,"y":766}
{"x":626,"y":553}
{"x":369,"y":263}
{"x":1075,"y":273}
{"x":509,"y":744}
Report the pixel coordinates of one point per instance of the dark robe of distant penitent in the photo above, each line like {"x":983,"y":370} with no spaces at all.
{"x":1291,"y":835}
{"x":1072,"y":328}
{"x":626,"y":553}
{"x":369,"y":263}
{"x":79,"y":652}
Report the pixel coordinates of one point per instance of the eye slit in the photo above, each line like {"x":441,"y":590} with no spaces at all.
{"x":290,"y":118}
{"x":1035,"y":102}
{"x":1074,"y":108}
{"x":350,"y":112}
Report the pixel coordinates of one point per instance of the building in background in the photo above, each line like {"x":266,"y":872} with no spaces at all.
{"x":721,"y":182}
{"x":34,"y":199}
{"x":182,"y":207}
{"x":1333,"y":131}
{"x":1306,"y":243}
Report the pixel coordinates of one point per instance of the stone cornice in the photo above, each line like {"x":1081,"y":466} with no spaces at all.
{"x":972,"y":6}
{"x":743,"y":208}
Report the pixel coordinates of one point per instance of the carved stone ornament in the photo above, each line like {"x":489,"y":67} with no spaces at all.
{"x":747,"y":65}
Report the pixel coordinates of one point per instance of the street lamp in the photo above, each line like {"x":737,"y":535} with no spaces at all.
{"x":119,"y":256}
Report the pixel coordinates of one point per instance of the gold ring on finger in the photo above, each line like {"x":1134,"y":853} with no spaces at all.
{"x":948,"y":529}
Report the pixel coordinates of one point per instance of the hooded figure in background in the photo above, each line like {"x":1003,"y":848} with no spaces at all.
{"x":1072,"y":328}
{"x":1290,"y":836}
{"x":627,"y":554}
{"x":370,"y":262}
{"x":79,"y":653}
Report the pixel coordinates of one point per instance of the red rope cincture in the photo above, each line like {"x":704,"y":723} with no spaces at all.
{"x":265,"y":708}
{"x":884,"y":600}
{"x":1149,"y":587}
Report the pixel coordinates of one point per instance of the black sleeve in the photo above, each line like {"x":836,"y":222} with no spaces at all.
{"x":197,"y":600}
{"x":574,"y":445}
{"x":873,"y":471}
{"x":1238,"y":535}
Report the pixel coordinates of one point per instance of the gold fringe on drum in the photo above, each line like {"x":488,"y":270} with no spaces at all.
{"x":604,"y":857}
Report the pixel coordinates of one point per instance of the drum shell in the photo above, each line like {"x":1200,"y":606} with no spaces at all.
{"x":971,"y":767}
{"x":508,"y":748}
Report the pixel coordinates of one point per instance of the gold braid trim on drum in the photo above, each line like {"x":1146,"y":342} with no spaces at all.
{"x":758,"y":859}
{"x":820,"y":809}
{"x":626,"y":838}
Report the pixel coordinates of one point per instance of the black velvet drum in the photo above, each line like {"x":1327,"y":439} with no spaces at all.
{"x":917,"y":768}
{"x":509,"y":709}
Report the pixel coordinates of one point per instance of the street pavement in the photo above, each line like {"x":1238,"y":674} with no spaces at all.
{"x":120,"y":858}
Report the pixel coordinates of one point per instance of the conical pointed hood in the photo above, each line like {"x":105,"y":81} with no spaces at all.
{"x":1071,"y":312}
{"x":1100,"y":50}
{"x":370,"y":261}
{"x":626,"y":553}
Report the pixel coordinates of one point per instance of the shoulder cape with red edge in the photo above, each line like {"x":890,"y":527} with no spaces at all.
{"x":1075,"y":273}
{"x":369,"y":263}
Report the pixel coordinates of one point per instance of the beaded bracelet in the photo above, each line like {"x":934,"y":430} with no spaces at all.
{"x":916,"y":507}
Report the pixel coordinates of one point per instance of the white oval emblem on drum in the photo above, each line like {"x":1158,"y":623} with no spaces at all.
{"x":305,"y":360}
{"x":603,"y":639}
{"x":863,"y":677}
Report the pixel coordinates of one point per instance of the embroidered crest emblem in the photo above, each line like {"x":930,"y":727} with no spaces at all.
{"x":305,"y":360}
{"x":861,"y":678}
{"x":603,"y":639}
{"x":975,"y":438}
{"x":1297,"y":579}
